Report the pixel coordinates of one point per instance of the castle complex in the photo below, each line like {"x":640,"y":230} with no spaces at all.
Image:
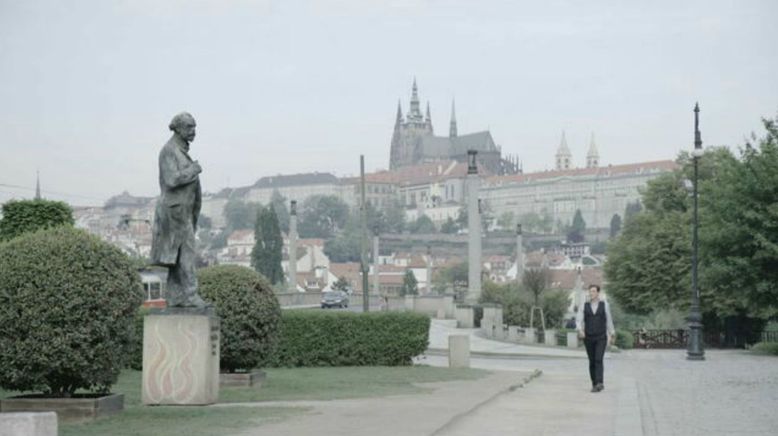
{"x":414,"y":142}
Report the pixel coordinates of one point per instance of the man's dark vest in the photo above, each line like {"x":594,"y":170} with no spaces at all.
{"x":595,"y":324}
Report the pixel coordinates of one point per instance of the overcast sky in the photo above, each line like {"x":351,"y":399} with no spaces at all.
{"x":87,"y":88}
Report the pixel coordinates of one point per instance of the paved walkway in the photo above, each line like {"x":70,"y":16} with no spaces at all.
{"x":440,"y":330}
{"x":647,"y":393}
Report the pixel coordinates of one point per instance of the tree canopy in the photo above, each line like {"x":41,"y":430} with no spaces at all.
{"x":649,"y":263}
{"x":322,"y":216}
{"x":266,"y":254}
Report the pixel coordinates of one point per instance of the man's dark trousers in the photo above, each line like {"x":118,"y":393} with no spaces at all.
{"x":595,"y":349}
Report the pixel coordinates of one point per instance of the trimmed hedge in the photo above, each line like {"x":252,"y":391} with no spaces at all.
{"x":319,"y":338}
{"x":768,"y":348}
{"x":249,"y":313}
{"x":624,"y":339}
{"x":67,"y":304}
{"x":25,"y":216}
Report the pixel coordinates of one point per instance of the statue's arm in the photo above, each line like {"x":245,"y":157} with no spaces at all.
{"x":172,"y":175}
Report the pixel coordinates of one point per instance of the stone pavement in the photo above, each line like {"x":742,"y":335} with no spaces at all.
{"x":441,"y":329}
{"x":418,"y":414}
{"x":647,"y":392}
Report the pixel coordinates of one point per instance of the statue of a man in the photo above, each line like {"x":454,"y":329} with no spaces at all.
{"x":175,"y":218}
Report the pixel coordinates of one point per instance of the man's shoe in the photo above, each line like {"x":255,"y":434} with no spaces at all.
{"x":594,"y":389}
{"x":599,"y":387}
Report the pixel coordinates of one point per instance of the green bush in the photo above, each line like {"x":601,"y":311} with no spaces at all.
{"x":67,"y":302}
{"x":769,"y":348}
{"x":135,"y":358}
{"x":624,"y":339}
{"x":26,"y":216}
{"x":318,"y":338}
{"x":249,"y":313}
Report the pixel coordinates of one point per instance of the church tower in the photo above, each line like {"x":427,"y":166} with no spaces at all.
{"x":563,"y":156}
{"x":592,"y":157}
{"x":452,"y":128}
{"x":408,"y":131}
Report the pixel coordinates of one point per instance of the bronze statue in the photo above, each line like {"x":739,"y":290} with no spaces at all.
{"x":175,"y":218}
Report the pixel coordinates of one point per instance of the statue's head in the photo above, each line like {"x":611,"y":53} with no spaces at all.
{"x":184,"y":125}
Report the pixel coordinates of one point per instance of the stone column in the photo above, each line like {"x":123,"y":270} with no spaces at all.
{"x":293,"y":246}
{"x":429,"y":269}
{"x":474,"y":231}
{"x":376,"y":281}
{"x":519,"y":255}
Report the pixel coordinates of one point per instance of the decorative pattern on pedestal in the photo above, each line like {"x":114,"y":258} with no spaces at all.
{"x":180,"y":359}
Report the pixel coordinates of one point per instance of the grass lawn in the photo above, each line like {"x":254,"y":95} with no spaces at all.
{"x":281,"y":384}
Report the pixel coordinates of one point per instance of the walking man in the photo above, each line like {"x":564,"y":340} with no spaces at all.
{"x":595,"y":326}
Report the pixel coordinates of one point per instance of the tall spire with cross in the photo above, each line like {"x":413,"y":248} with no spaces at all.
{"x":563,"y":156}
{"x":452,"y":128}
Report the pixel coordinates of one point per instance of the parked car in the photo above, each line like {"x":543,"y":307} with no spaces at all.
{"x":334,"y":298}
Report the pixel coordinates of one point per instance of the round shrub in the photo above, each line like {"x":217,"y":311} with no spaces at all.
{"x":67,"y":302}
{"x":249,"y":313}
{"x":768,"y":348}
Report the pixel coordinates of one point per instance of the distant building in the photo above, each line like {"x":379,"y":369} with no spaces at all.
{"x":414,"y":142}
{"x":598,"y":192}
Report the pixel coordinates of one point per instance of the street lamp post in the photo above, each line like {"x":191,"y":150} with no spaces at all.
{"x":695,"y":350}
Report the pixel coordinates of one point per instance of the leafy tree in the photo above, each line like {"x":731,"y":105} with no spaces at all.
{"x":240,"y":215}
{"x":739,"y":230}
{"x":280,"y":206}
{"x":632,"y":209}
{"x":204,"y":222}
{"x":454,"y":276}
{"x":449,"y":226}
{"x":648,"y":263}
{"x":341,"y":284}
{"x":615,"y":225}
{"x":576,"y":231}
{"x":536,"y":281}
{"x":534,"y":222}
{"x":506,"y":220}
{"x":266,"y":254}
{"x":410,"y":284}
{"x":423,"y":224}
{"x":23,"y":216}
{"x":322,"y":216}
{"x":394,"y":217}
{"x":343,"y":248}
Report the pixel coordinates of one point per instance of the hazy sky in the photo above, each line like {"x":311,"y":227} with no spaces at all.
{"x":87,"y":88}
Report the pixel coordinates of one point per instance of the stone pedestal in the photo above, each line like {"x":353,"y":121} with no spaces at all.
{"x":459,"y":351}
{"x":487,"y":327}
{"x":572,"y":339}
{"x":465,"y":316}
{"x":550,"y":337}
{"x":529,"y":336}
{"x":28,"y":424}
{"x":513,"y":333}
{"x":180,"y":358}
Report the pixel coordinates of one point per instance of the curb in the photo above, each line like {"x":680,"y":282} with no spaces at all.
{"x":497,"y":355}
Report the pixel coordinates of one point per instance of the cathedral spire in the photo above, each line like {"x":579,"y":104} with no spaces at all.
{"x":563,"y":156}
{"x":37,"y":185}
{"x":415,"y":113}
{"x":429,"y":116}
{"x":452,"y":129}
{"x":593,"y":156}
{"x":399,"y":118}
